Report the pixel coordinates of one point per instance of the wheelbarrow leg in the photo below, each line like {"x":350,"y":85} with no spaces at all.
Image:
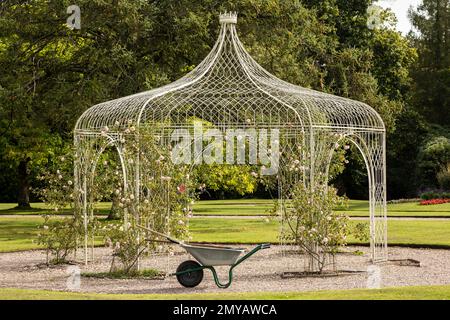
{"x":230,"y":272}
{"x":216,"y":278}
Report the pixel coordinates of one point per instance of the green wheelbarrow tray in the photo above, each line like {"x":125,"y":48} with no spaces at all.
{"x":190,"y":273}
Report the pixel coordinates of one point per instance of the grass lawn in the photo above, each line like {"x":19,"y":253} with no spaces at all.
{"x":417,"y":232}
{"x":20,"y":233}
{"x":249,"y":207}
{"x":41,"y":208}
{"x":402,"y":293}
{"x":357,"y":208}
{"x":224,"y":230}
{"x":407,"y":209}
{"x":260,"y":207}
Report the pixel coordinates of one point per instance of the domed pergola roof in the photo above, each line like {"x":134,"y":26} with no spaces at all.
{"x":230,"y":87}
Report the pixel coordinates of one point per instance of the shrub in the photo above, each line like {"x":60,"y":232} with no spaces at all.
{"x":433,"y":156}
{"x":59,"y":238}
{"x":141,"y":274}
{"x":430,"y":195}
{"x":402,"y":201}
{"x":315,"y":227}
{"x":443,"y":177}
{"x":128,"y":245}
{"x":59,"y":235}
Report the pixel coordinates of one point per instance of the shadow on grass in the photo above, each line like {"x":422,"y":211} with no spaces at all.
{"x":41,"y":211}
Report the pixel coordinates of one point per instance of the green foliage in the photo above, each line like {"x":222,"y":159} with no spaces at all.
{"x":431,"y":92}
{"x":432,"y":73}
{"x":361,"y":231}
{"x":59,"y":238}
{"x":51,"y":74}
{"x":128,"y":245}
{"x":403,"y":147}
{"x":314,"y":226}
{"x":430,"y":195}
{"x":349,"y":76}
{"x":433,"y":156}
{"x":348,"y":18}
{"x":443,"y":177}
{"x":393,"y":56}
{"x":229,"y":179}
{"x":431,"y":21}
{"x":141,"y":274}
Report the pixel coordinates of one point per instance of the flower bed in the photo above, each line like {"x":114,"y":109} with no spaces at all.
{"x":434,"y":201}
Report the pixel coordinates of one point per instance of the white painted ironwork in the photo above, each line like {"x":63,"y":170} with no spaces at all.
{"x":229,"y":89}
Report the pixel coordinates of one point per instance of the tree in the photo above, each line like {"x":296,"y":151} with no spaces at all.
{"x":434,"y":156}
{"x":348,"y":19}
{"x":51,"y":74}
{"x":432,"y":73}
{"x":226,"y":180}
{"x":404,"y":145}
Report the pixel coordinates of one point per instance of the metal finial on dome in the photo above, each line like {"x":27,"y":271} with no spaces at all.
{"x":228,"y":17}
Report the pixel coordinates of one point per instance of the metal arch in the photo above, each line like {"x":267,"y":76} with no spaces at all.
{"x":361,"y":144}
{"x":364,"y":153}
{"x":109,"y":141}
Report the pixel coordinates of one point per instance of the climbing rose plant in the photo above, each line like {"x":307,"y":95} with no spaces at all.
{"x":59,"y":234}
{"x":315,"y":227}
{"x":163,"y":204}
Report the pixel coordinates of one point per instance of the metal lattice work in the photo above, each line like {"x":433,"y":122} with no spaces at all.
{"x":228,"y":89}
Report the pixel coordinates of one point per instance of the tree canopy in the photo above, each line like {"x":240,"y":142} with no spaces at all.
{"x":51,"y":74}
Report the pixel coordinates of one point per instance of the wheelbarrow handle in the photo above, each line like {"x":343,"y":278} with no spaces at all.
{"x":160,"y":234}
{"x":253,"y":251}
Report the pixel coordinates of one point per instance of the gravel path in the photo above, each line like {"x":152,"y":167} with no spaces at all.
{"x":261,"y":272}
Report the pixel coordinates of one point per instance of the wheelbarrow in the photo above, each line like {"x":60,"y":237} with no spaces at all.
{"x":190,"y":273}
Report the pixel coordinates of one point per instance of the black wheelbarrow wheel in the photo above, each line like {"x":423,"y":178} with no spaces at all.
{"x":192,"y":278}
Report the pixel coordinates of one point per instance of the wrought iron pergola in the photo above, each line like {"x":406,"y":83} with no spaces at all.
{"x":229,"y":89}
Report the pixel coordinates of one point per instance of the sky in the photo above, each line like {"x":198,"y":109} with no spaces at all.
{"x":400,"y":8}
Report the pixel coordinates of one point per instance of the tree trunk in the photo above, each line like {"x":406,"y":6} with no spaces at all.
{"x":114,"y":213}
{"x":23,"y":197}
